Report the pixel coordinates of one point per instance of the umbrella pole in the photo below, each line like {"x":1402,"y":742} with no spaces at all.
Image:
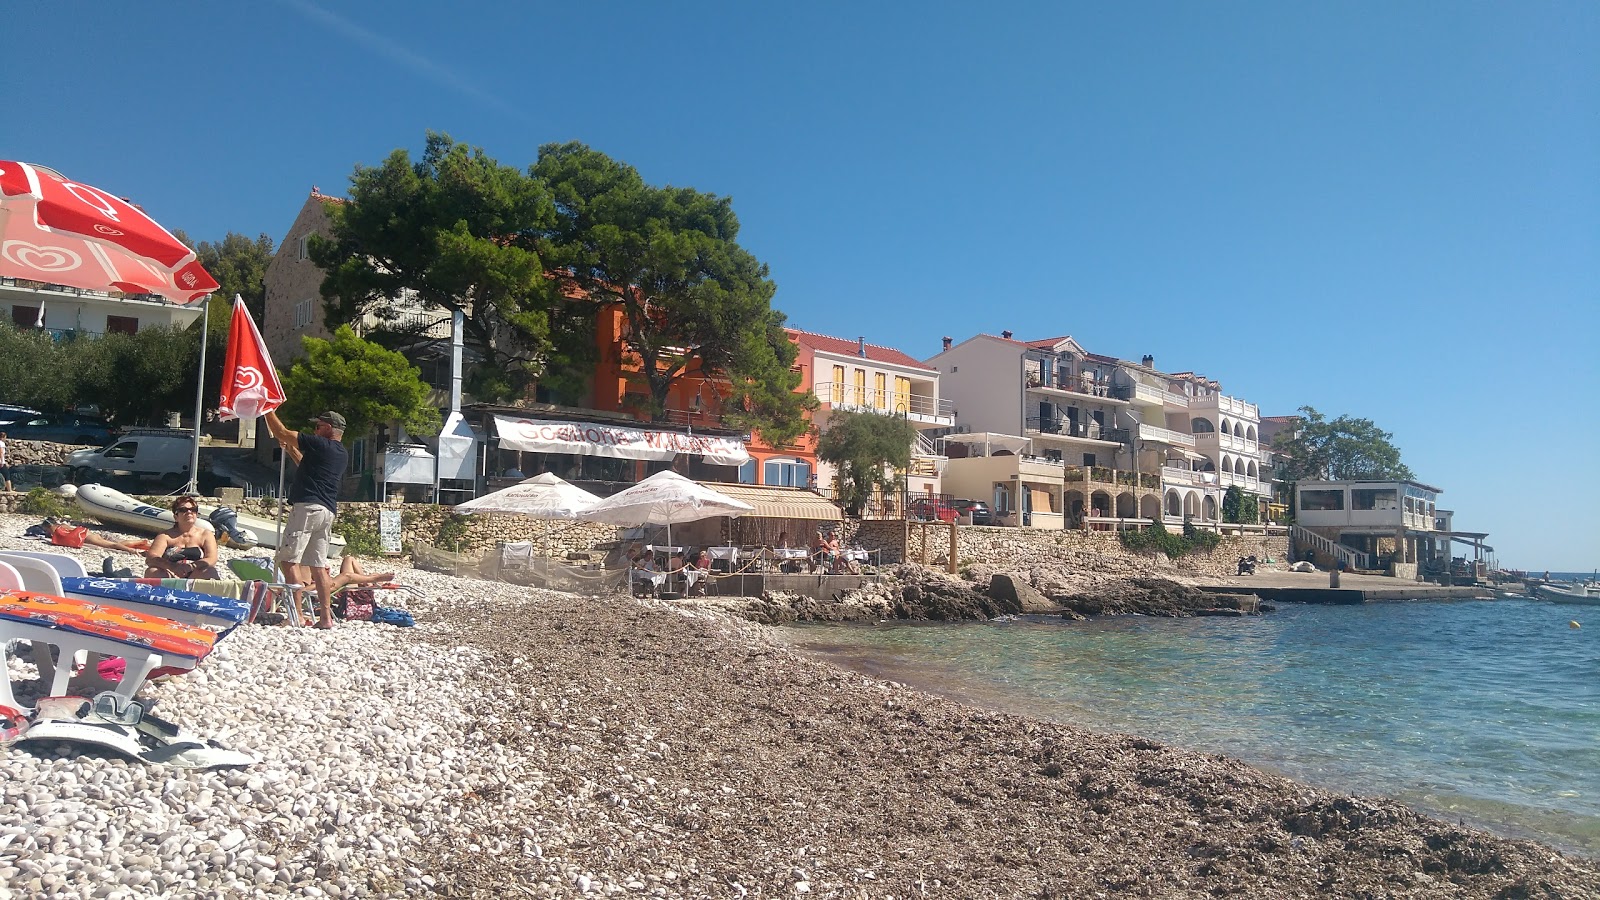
{"x":278,"y":521}
{"x":199,"y":400}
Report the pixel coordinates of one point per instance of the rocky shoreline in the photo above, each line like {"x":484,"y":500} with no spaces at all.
{"x":526,"y":743}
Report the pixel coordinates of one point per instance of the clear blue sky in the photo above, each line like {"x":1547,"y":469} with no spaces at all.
{"x":1378,"y":209}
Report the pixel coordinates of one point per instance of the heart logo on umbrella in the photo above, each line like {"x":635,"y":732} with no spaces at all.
{"x":45,"y":259}
{"x":108,"y":230}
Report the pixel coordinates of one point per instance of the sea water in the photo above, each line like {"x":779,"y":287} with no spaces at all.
{"x":1488,"y":712}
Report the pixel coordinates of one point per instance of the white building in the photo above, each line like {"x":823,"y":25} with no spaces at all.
{"x":65,"y":311}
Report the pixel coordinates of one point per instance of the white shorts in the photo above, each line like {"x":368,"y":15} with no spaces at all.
{"x":305,"y":536}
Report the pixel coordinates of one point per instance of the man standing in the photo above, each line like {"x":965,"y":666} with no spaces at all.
{"x":321,"y":460}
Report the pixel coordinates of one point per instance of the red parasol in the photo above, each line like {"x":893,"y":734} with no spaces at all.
{"x":58,"y":231}
{"x":250,"y":386}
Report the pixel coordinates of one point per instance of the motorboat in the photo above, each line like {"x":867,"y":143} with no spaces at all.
{"x":1587,"y":593}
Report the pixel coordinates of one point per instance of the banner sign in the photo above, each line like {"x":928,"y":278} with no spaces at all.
{"x":617,"y":442}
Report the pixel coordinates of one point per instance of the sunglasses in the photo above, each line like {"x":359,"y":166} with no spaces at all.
{"x":179,"y":509}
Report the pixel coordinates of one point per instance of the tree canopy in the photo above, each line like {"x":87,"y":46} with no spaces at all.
{"x":360,"y":380}
{"x":456,"y":230}
{"x":1341,"y":449}
{"x":692,"y":298}
{"x":239,"y":265}
{"x":132,"y":378}
{"x":870,"y":451}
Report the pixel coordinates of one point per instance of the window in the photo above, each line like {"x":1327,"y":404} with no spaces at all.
{"x":787,"y":473}
{"x":1374,"y":498}
{"x":1321,"y":500}
{"x":880,"y":390}
{"x":838,"y":384}
{"x":124,"y":450}
{"x":305,"y":246}
{"x":747,"y":472}
{"x":122,"y":325}
{"x":861,"y":386}
{"x":902,"y":394}
{"x":24,"y":316}
{"x":302,"y":314}
{"x":358,"y":456}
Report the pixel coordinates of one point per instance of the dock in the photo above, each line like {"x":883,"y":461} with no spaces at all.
{"x":1313,"y":587}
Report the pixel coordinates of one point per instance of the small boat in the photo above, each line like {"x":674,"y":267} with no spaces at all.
{"x":116,"y":508}
{"x":1587,"y":593}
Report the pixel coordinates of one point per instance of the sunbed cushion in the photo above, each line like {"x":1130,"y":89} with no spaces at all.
{"x":150,"y":632}
{"x":155,"y":595}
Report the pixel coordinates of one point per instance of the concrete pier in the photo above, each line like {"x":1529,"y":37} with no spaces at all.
{"x":1314,"y":587}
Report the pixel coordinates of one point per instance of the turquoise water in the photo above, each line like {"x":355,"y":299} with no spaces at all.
{"x":1482,"y":711}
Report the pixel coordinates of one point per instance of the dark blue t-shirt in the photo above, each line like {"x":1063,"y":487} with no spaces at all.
{"x":321,"y":469}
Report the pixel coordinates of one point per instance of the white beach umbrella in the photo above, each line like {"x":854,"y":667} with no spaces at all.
{"x":665,"y":498}
{"x":544,"y":496}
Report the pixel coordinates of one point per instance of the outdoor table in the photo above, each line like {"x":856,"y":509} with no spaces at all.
{"x":724,"y":558}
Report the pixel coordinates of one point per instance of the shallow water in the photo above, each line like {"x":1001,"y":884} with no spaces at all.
{"x":1484,"y":711}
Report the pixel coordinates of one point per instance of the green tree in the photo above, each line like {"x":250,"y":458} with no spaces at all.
{"x":456,"y":230}
{"x":33,"y":369}
{"x":869,"y":451}
{"x":365,"y":383}
{"x":1346,"y":448}
{"x":137,"y":378}
{"x":1240,"y":508}
{"x":240,"y":266}
{"x":693,"y":300}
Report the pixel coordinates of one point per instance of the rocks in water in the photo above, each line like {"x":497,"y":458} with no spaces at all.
{"x":1015,"y":593}
{"x":1158,"y":597}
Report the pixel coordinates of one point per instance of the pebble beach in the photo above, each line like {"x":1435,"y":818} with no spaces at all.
{"x":525,"y":743}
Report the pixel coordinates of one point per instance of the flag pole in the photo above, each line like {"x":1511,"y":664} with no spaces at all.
{"x":199,"y":400}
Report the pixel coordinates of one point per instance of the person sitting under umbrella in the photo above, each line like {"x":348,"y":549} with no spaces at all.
{"x":697,"y":572}
{"x":642,"y":569}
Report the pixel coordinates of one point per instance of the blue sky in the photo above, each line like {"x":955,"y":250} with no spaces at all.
{"x":1377,"y":209}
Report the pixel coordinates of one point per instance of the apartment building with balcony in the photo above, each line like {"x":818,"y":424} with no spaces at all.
{"x":855,"y":376}
{"x":67,"y":311}
{"x":1376,"y":524}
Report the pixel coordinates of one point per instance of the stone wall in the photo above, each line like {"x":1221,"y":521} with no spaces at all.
{"x":465,"y":534}
{"x":896,"y":541}
{"x":38,"y":453}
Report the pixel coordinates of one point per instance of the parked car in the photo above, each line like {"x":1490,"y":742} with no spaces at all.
{"x":149,"y":454}
{"x":62,"y":428}
{"x":11,"y":416}
{"x":976,"y":509}
{"x":931,"y":509}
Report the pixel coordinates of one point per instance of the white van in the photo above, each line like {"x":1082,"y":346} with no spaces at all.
{"x":158,"y":454}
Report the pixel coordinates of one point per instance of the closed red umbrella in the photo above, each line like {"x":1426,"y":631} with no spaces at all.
{"x":58,"y":231}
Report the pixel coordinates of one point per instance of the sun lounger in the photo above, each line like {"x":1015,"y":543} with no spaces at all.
{"x":64,"y":565}
{"x":189,"y":607}
{"x":74,"y":626}
{"x":279,"y":596}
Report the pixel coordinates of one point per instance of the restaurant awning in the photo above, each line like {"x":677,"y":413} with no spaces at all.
{"x":615,"y":441}
{"x":780,"y":502}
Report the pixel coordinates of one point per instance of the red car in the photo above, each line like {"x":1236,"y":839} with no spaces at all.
{"x":931,"y":509}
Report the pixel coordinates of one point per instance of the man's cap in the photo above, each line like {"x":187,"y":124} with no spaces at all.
{"x":332,"y":418}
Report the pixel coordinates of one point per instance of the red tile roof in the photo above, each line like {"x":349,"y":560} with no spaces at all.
{"x":844,"y":347}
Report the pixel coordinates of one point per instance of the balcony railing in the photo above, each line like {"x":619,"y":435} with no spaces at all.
{"x":1104,"y":475}
{"x":1151,"y":394}
{"x":839,"y":395}
{"x":1164,"y":435}
{"x":1065,"y":428}
{"x":1073,"y":386}
{"x":1229,"y":405}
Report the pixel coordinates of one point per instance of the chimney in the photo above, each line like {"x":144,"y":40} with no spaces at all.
{"x":1149,"y":361}
{"x":1006,"y":335}
{"x":861,"y":347}
{"x":946,"y":342}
